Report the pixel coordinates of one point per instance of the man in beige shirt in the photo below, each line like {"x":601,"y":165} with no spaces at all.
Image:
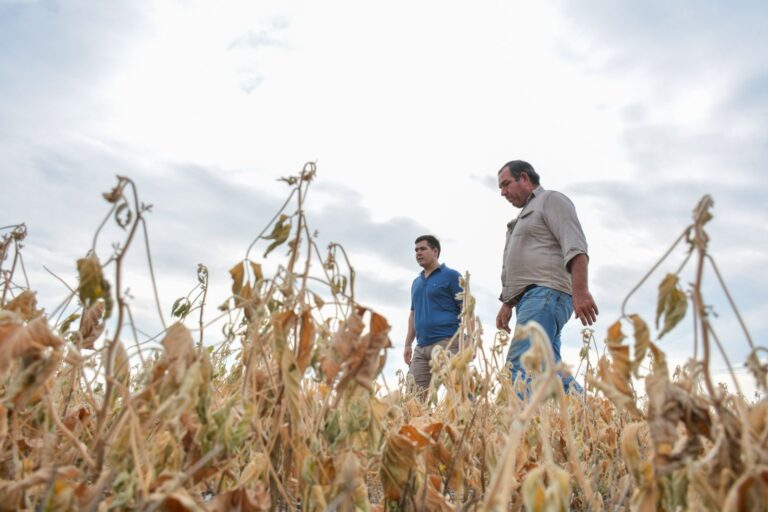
{"x":544,"y":274}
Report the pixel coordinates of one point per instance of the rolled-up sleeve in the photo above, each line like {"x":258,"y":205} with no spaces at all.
{"x":560,"y":216}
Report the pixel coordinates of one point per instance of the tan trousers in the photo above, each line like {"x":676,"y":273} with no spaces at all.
{"x":420,"y":370}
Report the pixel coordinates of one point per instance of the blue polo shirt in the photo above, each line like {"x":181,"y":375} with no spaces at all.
{"x":435,"y":306}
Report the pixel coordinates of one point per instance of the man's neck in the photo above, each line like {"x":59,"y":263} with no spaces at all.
{"x":429,"y":270}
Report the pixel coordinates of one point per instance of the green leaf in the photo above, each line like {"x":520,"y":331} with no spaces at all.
{"x":672,"y":304}
{"x":181,"y":307}
{"x":279,"y":234}
{"x":123,"y":215}
{"x":677,"y":305}
{"x":67,"y":322}
{"x":92,"y":285}
{"x":202,"y":274}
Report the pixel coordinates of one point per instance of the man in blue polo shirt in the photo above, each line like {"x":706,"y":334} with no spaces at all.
{"x":435,"y":310}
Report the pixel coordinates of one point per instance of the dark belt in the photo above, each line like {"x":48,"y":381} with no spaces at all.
{"x":514,"y":300}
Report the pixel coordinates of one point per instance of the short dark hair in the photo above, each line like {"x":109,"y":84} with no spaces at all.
{"x":517,"y":167}
{"x":432,"y":242}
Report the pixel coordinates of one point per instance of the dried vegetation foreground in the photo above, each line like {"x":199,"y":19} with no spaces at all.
{"x":286,"y":411}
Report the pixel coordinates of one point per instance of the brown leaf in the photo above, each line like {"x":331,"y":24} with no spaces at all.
{"x":398,"y":460}
{"x":11,"y":491}
{"x":546,"y":488}
{"x":238,"y":275}
{"x":615,"y":336}
{"x":306,"y":341}
{"x":749,"y":492}
{"x":91,"y":326}
{"x":178,"y":344}
{"x":616,"y":386}
{"x":642,"y":342}
{"x":17,"y":341}
{"x":436,"y":500}
{"x":178,"y":501}
{"x":258,"y":275}
{"x":24,"y":305}
{"x":3,"y":424}
{"x":345,"y":339}
{"x":242,"y":500}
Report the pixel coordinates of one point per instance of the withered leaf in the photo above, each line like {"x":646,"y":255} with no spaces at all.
{"x":672,"y":304}
{"x":25,"y":305}
{"x":642,"y":342}
{"x":306,"y":341}
{"x":91,"y":326}
{"x":279,"y":234}
{"x":17,"y":340}
{"x":238,"y":276}
{"x":93,"y":286}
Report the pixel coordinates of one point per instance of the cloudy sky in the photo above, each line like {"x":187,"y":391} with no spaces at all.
{"x":633,"y":109}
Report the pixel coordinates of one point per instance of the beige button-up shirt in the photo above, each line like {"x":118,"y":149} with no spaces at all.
{"x":540,"y":244}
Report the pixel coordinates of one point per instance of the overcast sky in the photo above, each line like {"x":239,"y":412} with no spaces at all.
{"x":633,"y":109}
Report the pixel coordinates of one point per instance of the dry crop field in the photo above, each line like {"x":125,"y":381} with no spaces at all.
{"x":286,"y":411}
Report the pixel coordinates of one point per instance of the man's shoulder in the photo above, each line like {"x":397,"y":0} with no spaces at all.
{"x":554,"y":196}
{"x":449,"y":272}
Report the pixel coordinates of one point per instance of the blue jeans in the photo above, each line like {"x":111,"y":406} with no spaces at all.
{"x":551,"y":309}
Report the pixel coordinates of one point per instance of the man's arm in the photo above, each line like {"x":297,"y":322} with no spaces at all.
{"x":408,"y":352}
{"x":584,"y":306}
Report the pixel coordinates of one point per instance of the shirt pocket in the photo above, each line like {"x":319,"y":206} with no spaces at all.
{"x":524,"y":224}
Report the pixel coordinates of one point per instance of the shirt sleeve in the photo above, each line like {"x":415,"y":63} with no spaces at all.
{"x":560,"y":215}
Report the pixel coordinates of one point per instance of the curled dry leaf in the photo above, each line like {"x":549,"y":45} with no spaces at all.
{"x":11,"y":492}
{"x":750,"y":492}
{"x":24,"y":305}
{"x":349,"y":491}
{"x":343,"y":342}
{"x":616,"y":386}
{"x":241,"y":499}
{"x":646,"y":495}
{"x":547,"y":489}
{"x":399,"y":459}
{"x":642,"y":342}
{"x":93,"y":286}
{"x":178,"y":344}
{"x":306,"y":341}
{"x":669,"y":405}
{"x":436,"y":500}
{"x":91,"y":326}
{"x":672,"y":304}
{"x":3,"y":424}
{"x":17,"y":340}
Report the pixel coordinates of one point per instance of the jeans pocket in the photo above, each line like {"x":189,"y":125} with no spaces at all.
{"x":564,"y":309}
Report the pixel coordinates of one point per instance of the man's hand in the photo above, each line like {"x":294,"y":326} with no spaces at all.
{"x":584,"y":307}
{"x":408,"y":354}
{"x":502,"y":319}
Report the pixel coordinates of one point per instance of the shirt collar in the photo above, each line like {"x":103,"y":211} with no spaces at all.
{"x":439,"y":267}
{"x":535,"y":192}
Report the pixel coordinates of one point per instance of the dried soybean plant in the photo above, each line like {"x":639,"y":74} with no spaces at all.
{"x":285,"y":412}
{"x":694,"y":446}
{"x":281,"y":414}
{"x":687,"y":445}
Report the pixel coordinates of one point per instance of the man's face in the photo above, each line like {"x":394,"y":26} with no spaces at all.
{"x":426,"y":256}
{"x":516,"y":192}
